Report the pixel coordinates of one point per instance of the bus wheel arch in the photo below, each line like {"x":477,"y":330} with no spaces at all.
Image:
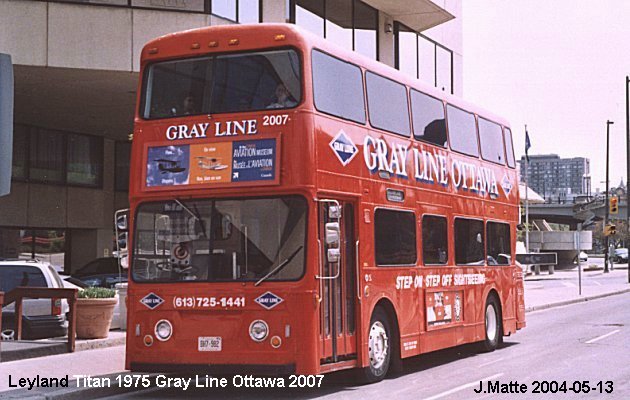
{"x":383,"y":322}
{"x":493,"y":322}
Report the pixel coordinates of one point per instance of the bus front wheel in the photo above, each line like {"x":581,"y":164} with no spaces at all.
{"x":492,"y":324}
{"x":380,"y":341}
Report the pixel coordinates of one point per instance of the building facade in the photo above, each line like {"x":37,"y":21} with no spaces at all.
{"x":557,"y":179}
{"x":76,"y":68}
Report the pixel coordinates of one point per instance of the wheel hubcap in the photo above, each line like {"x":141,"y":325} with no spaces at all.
{"x":378,"y":345}
{"x":491,"y":322}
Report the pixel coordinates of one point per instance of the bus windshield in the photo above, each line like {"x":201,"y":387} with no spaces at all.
{"x":220,"y":240}
{"x":221,"y":84}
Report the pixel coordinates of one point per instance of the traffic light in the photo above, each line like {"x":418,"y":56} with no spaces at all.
{"x":614,"y":205}
{"x":610,"y":230}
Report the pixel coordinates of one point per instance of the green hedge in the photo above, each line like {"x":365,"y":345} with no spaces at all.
{"x":96,"y":293}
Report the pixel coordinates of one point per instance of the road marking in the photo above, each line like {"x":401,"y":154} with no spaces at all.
{"x":597,"y":283}
{"x":490,"y":362}
{"x":462,"y":387}
{"x":568,"y":284}
{"x":603,"y":336}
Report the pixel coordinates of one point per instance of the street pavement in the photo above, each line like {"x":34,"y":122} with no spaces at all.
{"x":551,"y":325}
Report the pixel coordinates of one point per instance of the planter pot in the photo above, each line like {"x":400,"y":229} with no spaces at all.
{"x":94,"y":317}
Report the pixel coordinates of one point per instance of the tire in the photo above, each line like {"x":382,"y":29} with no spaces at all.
{"x":380,"y":345}
{"x":493,"y":328}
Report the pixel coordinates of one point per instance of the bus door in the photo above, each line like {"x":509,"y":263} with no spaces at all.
{"x":338,"y":245}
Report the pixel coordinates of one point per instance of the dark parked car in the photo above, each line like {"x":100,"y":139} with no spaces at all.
{"x":100,"y":272}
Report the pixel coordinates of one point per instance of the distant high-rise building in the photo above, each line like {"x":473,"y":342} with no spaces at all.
{"x":551,"y":176}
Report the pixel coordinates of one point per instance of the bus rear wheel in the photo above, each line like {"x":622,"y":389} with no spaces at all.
{"x":492,"y":325}
{"x":380,"y":341}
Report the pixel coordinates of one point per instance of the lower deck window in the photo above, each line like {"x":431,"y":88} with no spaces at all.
{"x":395,"y":237}
{"x":469,"y":248}
{"x":498,"y":249}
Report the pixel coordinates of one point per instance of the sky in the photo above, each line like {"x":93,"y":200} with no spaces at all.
{"x":558,"y":66}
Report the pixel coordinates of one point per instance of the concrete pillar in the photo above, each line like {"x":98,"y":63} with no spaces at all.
{"x":86,"y":245}
{"x":274,"y":11}
{"x":386,"y":39}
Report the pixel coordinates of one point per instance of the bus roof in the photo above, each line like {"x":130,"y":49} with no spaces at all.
{"x":239,"y":37}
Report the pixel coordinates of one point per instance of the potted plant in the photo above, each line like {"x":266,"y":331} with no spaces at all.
{"x":95,"y":308}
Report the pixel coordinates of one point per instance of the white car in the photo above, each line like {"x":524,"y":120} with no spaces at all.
{"x":41,"y":318}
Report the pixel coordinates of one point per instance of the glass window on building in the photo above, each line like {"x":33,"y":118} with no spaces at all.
{"x":395,"y":237}
{"x":469,"y":248}
{"x":309,"y":14}
{"x":123,"y":156}
{"x":428,"y":118}
{"x":423,"y":58}
{"x":365,"y":29}
{"x":46,"y":161}
{"x":248,"y":11}
{"x":338,"y":87}
{"x":350,"y":24}
{"x":20,"y":152}
{"x":224,"y":8}
{"x":462,"y":131}
{"x":444,"y":69}
{"x":25,"y":244}
{"x":426,"y":60}
{"x":339,"y":22}
{"x":188,"y":5}
{"x":406,"y":50}
{"x":85,"y":160}
{"x":387,"y":104}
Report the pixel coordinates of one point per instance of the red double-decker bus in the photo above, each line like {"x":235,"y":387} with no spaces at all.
{"x":298,"y":208}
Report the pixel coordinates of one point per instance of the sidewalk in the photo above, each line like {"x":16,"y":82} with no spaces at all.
{"x":19,"y":350}
{"x":541,"y":292}
{"x":546,"y":291}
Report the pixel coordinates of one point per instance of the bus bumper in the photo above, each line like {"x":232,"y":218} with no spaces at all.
{"x":216,"y":369}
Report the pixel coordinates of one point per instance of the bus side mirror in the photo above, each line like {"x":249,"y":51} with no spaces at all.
{"x":121,"y":222}
{"x":332,"y":234}
{"x":333,"y":255}
{"x":334,"y":212}
{"x":122,"y":242}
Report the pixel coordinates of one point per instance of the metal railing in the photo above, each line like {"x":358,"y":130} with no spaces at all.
{"x":20,"y":293}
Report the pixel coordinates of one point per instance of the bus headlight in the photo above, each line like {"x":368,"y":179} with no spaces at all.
{"x":163,"y":330}
{"x":258,"y":330}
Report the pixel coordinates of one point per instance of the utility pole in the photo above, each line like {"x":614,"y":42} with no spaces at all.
{"x":526,"y":197}
{"x":608,"y":123}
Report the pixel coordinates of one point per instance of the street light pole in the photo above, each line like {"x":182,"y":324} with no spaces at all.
{"x":608,"y":123}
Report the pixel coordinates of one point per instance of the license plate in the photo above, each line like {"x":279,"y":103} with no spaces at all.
{"x":209,"y":343}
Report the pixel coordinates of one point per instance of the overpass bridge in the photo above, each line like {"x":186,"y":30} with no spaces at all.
{"x":573,"y":213}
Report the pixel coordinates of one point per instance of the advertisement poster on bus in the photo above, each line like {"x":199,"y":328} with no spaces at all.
{"x":212,"y":163}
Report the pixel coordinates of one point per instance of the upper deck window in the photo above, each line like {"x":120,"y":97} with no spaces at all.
{"x":462,"y":131}
{"x":338,"y":87}
{"x":221,"y":84}
{"x":428,"y":118}
{"x":387,"y":104}
{"x":491,"y":141}
{"x":509,"y":148}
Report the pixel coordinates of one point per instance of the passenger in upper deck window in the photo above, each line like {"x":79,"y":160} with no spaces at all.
{"x":282,"y":98}
{"x":188,"y":106}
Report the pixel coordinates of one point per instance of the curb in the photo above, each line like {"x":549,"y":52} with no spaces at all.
{"x":49,"y":349}
{"x":574,"y":301}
